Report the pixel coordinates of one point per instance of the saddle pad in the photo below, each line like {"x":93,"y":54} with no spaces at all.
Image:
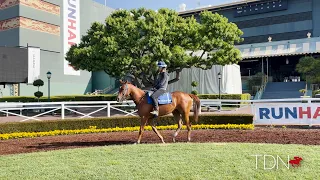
{"x":165,"y":98}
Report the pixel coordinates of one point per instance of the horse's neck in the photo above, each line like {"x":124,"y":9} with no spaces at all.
{"x":137,"y":94}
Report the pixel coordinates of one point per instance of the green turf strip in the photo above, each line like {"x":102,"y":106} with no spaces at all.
{"x":156,"y":161}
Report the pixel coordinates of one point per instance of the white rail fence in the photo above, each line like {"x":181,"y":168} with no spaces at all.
{"x":300,"y":111}
{"x":87,"y":109}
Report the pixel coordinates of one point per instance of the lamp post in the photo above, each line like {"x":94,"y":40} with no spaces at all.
{"x":219,"y":77}
{"x":49,"y":77}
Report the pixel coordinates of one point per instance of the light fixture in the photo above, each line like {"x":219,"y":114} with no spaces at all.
{"x":49,"y":75}
{"x":287,"y":61}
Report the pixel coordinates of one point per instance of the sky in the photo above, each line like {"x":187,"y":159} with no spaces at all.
{"x":157,"y":4}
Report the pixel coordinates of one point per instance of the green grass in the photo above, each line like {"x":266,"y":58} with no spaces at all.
{"x":155,"y":161}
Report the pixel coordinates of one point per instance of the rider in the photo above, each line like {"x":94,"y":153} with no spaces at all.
{"x":160,"y":86}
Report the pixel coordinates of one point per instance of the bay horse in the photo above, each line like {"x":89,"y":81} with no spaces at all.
{"x":180,"y":107}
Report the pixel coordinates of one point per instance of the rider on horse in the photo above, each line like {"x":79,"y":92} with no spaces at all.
{"x":160,"y":87}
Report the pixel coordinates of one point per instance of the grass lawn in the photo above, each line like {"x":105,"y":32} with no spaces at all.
{"x":170,"y":161}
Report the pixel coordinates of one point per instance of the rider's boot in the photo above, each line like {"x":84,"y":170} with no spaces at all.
{"x":155,"y":111}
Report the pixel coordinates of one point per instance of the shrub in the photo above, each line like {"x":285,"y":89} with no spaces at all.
{"x":38,"y":94}
{"x":315,"y":92}
{"x":38,"y":82}
{"x":112,"y":122}
{"x":194,"y":84}
{"x":195,"y":92}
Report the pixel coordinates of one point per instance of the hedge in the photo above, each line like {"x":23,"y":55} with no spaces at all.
{"x":108,"y":97}
{"x":113,"y":122}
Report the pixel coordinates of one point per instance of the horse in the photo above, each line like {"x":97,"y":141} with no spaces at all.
{"x":296,"y":161}
{"x":180,"y":106}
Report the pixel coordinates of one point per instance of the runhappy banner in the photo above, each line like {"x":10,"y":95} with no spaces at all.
{"x":287,"y":114}
{"x":71,"y":30}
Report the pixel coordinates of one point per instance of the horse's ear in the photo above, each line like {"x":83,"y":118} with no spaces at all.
{"x":126,"y":82}
{"x":121,"y":81}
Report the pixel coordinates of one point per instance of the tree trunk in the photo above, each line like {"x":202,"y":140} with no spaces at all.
{"x":177,"y":78}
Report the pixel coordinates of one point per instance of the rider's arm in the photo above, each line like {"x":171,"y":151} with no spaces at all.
{"x":163,"y":80}
{"x":159,"y":81}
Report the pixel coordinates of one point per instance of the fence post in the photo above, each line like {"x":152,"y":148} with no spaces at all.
{"x":108,"y":109}
{"x":310,"y":120}
{"x":7,"y":110}
{"x":62,"y":110}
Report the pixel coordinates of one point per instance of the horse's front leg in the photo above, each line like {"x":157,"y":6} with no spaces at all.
{"x":156,"y":131}
{"x":142,"y":125}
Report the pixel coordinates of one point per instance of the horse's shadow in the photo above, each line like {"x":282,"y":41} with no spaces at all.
{"x":60,"y":145}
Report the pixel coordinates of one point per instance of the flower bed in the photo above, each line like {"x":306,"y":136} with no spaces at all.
{"x":93,"y":129}
{"x":121,"y":122}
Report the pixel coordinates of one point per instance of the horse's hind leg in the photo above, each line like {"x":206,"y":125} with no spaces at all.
{"x":186,"y":118}
{"x":156,"y":131}
{"x":177,"y":117}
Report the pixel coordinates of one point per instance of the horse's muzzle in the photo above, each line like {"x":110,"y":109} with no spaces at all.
{"x":119,"y":99}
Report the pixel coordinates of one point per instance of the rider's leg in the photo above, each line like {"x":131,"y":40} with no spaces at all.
{"x":155,"y":97}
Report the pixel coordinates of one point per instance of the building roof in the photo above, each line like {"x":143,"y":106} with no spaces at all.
{"x":280,"y":48}
{"x":218,"y":7}
{"x":274,"y":49}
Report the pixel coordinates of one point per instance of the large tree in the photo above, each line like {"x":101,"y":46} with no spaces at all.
{"x":309,"y":67}
{"x":131,"y":42}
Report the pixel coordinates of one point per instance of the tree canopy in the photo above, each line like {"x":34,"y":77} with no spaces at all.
{"x":310,"y":68}
{"x":131,"y":42}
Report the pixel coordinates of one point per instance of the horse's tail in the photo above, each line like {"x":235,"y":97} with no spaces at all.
{"x":196,"y":106}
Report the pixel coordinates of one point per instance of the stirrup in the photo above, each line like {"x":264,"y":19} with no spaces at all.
{"x":155,"y":112}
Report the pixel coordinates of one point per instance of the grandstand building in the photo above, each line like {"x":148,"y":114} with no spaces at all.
{"x":52,"y":26}
{"x":277,"y":33}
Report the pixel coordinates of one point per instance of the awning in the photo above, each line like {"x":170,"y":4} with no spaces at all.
{"x":280,"y":48}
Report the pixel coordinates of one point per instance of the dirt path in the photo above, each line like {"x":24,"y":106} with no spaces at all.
{"x":259,"y":135}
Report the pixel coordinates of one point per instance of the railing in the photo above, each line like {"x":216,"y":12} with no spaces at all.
{"x":103,"y":91}
{"x":90,"y":109}
{"x":262,"y":88}
{"x":74,"y":110}
{"x":314,"y":87}
{"x":75,"y":107}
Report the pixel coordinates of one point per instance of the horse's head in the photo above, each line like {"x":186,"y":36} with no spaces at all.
{"x":124,"y":91}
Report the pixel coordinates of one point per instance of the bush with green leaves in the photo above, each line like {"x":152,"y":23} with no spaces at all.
{"x":131,"y":42}
{"x":38,"y":83}
{"x":38,"y":94}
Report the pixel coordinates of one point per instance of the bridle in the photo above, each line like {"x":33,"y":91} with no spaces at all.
{"x":124,"y":92}
{"x":124,"y":97}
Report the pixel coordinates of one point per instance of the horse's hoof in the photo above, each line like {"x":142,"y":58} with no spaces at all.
{"x":174,"y":140}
